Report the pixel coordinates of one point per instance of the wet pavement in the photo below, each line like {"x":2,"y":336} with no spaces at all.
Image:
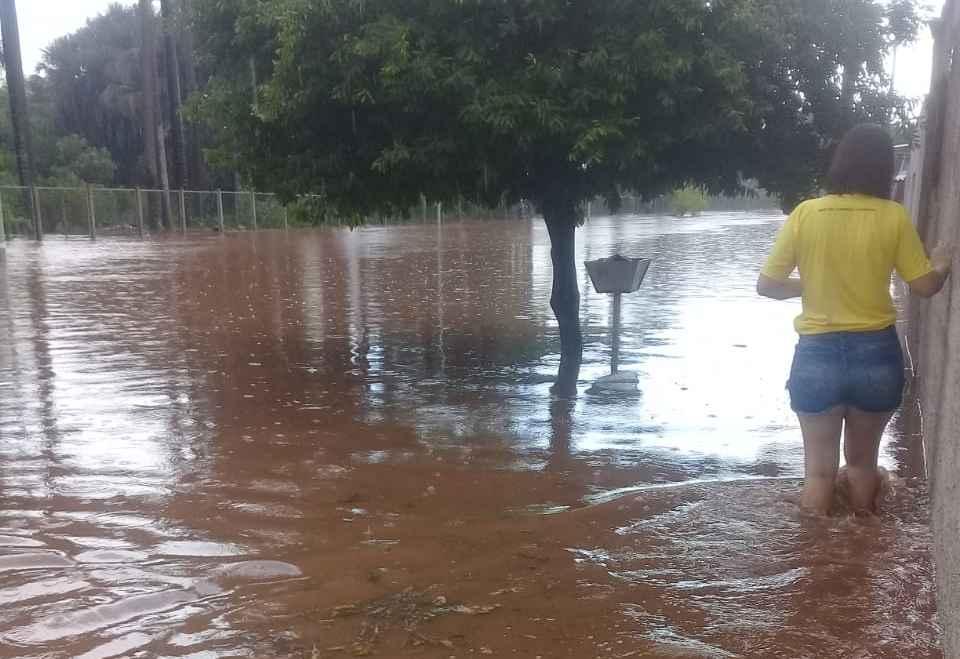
{"x":336,"y":443}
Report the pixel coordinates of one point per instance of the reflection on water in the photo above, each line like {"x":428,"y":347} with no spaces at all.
{"x":207,"y":446}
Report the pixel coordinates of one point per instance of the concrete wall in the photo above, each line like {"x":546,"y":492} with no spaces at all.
{"x":934,"y":196}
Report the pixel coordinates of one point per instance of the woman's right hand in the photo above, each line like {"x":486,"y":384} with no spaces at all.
{"x":942,"y":257}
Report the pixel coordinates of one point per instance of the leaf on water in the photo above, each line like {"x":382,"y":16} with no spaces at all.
{"x":474,"y":610}
{"x":504,"y":591}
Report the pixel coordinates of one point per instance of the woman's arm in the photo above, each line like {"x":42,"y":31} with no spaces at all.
{"x":932,"y":283}
{"x":779,"y":290}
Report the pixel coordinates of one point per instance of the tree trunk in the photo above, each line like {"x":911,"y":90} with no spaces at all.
{"x":174,"y":94}
{"x":148,"y":66}
{"x":851,"y":73}
{"x":19,"y":116}
{"x":561,"y":221}
{"x":164,"y":179}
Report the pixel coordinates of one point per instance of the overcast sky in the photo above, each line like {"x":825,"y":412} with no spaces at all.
{"x":42,"y":21}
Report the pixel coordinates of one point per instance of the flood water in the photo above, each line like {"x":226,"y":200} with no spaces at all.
{"x":336,"y":443}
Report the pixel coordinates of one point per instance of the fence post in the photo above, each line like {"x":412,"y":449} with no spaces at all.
{"x":63,"y":213}
{"x":139,"y":213}
{"x":286,"y":219}
{"x":183,"y":211}
{"x":253,"y":205}
{"x":3,"y":229}
{"x":38,"y":216}
{"x":91,"y":213}
{"x":439,"y":212}
{"x":220,"y":210}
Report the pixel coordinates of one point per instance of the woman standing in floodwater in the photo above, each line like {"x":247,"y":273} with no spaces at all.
{"x":848,"y":373}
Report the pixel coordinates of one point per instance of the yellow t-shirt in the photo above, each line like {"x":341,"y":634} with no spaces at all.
{"x":846,"y":247}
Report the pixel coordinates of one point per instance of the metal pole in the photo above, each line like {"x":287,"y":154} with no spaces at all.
{"x":286,"y":219}
{"x":220,"y":209}
{"x":3,"y":230}
{"x":91,"y":214}
{"x":63,"y":214}
{"x":139,"y":213}
{"x":183,"y":211}
{"x":253,"y":205}
{"x":615,"y":345}
{"x":439,"y":212}
{"x":38,"y":216}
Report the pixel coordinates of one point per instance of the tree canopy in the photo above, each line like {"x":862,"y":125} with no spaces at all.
{"x":78,"y":162}
{"x":372,"y":103}
{"x":58,"y":159}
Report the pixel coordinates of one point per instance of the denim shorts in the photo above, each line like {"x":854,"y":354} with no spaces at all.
{"x":863,"y":370}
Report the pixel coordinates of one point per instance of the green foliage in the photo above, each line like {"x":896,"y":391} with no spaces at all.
{"x":68,"y":160}
{"x":42,"y":128}
{"x":376,"y":103}
{"x":79,"y":163}
{"x":817,"y":67}
{"x":310,"y":211}
{"x":557,"y":101}
{"x":688,"y":200}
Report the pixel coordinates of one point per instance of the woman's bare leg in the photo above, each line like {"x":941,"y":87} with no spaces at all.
{"x":821,"y":455}
{"x":861,"y":445}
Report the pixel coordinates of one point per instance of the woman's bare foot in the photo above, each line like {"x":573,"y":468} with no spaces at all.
{"x":861,"y":492}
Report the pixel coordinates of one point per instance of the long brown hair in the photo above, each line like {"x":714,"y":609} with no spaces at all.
{"x":863,"y":163}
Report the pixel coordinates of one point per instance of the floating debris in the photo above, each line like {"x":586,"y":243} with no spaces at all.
{"x":407,"y":611}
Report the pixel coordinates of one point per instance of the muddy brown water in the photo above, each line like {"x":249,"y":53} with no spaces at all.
{"x":335,"y":443}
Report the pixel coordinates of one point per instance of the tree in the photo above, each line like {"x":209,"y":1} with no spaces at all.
{"x":688,"y":200}
{"x":93,"y":77}
{"x":555,"y":101}
{"x":18,"y":100}
{"x":815,"y":68}
{"x":56,"y":157}
{"x":77,"y":162}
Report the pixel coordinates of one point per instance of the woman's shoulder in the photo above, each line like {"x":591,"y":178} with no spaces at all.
{"x":805,"y":206}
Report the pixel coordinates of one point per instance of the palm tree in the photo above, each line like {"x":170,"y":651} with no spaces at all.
{"x":18,"y":103}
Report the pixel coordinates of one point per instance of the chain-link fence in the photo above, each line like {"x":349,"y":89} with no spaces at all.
{"x":93,"y":211}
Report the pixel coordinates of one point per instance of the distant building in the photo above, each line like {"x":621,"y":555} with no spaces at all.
{"x":902,"y":154}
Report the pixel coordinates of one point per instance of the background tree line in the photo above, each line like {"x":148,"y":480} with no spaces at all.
{"x":105,"y":106}
{"x":87,"y":101}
